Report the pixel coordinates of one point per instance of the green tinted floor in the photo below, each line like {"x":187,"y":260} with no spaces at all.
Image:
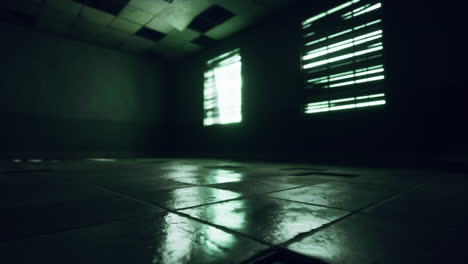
{"x":213,"y":211}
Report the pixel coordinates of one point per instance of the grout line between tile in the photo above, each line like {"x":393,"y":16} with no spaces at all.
{"x":309,"y":233}
{"x":320,"y":205}
{"x":177,"y":212}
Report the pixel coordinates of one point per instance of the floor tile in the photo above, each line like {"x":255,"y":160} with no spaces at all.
{"x":71,"y":212}
{"x":371,"y":239}
{"x":270,"y":220}
{"x":186,"y":197}
{"x":212,"y":177}
{"x":442,"y":203}
{"x":344,"y":199}
{"x":143,"y":185}
{"x":23,"y":222}
{"x":393,"y":177}
{"x":296,"y":180}
{"x":163,"y":238}
{"x":253,"y":187}
{"x":365,"y":186}
{"x":40,"y":193}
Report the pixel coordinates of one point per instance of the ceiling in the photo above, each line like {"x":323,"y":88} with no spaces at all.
{"x":168,"y":28}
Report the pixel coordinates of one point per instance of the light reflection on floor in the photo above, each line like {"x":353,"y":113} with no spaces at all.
{"x":201,"y":213}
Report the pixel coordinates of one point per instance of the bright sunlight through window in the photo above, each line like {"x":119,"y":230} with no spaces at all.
{"x":343,"y":57}
{"x":223,"y":90}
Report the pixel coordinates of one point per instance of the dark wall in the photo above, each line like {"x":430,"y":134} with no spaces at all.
{"x":425,"y":110}
{"x":60,"y":95}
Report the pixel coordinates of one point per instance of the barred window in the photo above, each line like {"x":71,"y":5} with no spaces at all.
{"x":342,"y":58}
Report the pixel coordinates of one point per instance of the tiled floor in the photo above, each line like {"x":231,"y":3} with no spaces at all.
{"x":213,"y":211}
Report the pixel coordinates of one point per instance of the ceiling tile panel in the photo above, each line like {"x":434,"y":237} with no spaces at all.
{"x":179,"y":14}
{"x":236,"y":23}
{"x":201,"y":25}
{"x":69,"y":7}
{"x":150,"y":6}
{"x":135,"y":15}
{"x":210,"y":18}
{"x":95,"y":16}
{"x":159,"y":24}
{"x":172,"y":42}
{"x":150,"y":34}
{"x":109,"y":6}
{"x":124,"y":25}
{"x":173,"y":46}
{"x":216,"y":14}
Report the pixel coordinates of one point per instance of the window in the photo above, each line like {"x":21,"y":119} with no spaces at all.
{"x":342,"y":58}
{"x":222,"y":89}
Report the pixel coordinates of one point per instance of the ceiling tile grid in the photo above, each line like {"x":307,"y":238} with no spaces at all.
{"x":168,"y":28}
{"x":210,"y":18}
{"x":159,"y":24}
{"x":135,"y":15}
{"x":236,"y":23}
{"x":180,"y":13}
{"x":150,"y":6}
{"x":150,"y":34}
{"x":112,"y":7}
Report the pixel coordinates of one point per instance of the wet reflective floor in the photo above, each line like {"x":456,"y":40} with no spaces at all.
{"x":217,"y":211}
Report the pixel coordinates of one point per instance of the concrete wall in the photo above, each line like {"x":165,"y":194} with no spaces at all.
{"x":60,"y":95}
